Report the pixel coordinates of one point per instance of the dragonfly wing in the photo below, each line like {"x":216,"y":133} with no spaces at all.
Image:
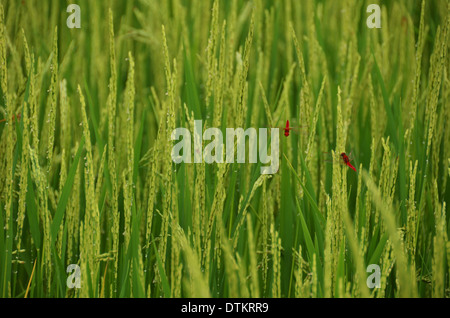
{"x":298,"y":128}
{"x":330,"y":159}
{"x":350,"y":156}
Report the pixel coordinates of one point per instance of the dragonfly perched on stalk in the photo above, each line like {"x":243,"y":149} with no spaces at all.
{"x":343,"y":158}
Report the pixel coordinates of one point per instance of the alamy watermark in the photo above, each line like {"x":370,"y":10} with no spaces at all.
{"x":74,"y":279}
{"x":214,"y":151}
{"x":373,"y":20}
{"x":374,"y":279}
{"x":74,"y":19}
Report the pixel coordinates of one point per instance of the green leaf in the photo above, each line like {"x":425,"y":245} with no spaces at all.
{"x":391,"y":124}
{"x":162,"y":273}
{"x":375,"y":258}
{"x":309,"y":196}
{"x":192,"y":95}
{"x":32,"y":213}
{"x":307,"y":236}
{"x":138,"y":146}
{"x":67,"y":189}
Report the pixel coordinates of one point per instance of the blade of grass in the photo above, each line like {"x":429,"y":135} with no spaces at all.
{"x":61,"y":208}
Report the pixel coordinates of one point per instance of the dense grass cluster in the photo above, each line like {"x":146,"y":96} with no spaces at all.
{"x":87,"y":178}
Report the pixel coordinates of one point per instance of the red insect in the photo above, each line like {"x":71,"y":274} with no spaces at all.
{"x":347,"y":160}
{"x":343,"y":159}
{"x":13,"y":117}
{"x":288,"y":129}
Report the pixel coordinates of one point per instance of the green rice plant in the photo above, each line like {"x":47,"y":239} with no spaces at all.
{"x":86,"y":170}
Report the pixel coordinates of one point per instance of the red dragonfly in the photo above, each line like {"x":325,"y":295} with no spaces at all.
{"x":347,"y":161}
{"x":344,"y":159}
{"x":287,"y":129}
{"x":13,"y":117}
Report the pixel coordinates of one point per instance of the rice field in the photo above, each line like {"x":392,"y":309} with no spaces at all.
{"x":87,"y":177}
